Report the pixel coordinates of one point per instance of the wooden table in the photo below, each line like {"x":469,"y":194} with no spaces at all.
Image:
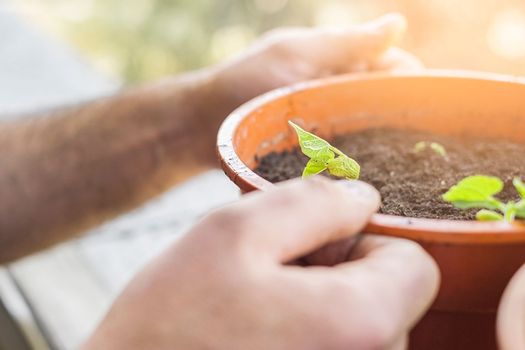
{"x":58,"y":296}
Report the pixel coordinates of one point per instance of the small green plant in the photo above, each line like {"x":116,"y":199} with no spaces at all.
{"x":324,"y":156}
{"x":478,"y":192}
{"x":436,"y":147}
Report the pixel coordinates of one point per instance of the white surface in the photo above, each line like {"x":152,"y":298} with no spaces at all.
{"x":71,"y":286}
{"x":19,"y":310}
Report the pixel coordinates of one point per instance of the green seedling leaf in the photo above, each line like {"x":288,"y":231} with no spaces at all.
{"x":475,"y":188}
{"x":520,"y":206}
{"x":323,"y":156}
{"x":478,"y":192}
{"x":520,"y":212}
{"x":314,"y":167}
{"x":344,"y":166}
{"x":488,"y":215}
{"x":438,"y":148}
{"x":520,"y":186}
{"x":420,"y":146}
{"x":509,"y":211}
{"x":312,"y":146}
{"x":475,"y":192}
{"x":492,"y":205}
{"x":485,"y":185}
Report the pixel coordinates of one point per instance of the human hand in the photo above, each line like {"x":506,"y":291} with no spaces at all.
{"x":290,"y":55}
{"x":511,"y":314}
{"x":229,"y":284}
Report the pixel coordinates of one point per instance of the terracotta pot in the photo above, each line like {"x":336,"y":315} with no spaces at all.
{"x":476,"y":259}
{"x":511,"y":314}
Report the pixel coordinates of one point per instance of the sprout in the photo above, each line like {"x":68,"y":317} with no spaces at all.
{"x":324,"y":156}
{"x":436,"y":147}
{"x":478,"y":192}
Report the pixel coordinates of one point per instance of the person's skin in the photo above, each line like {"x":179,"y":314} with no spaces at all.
{"x":69,"y":169}
{"x":272,"y":271}
{"x":510,"y":325}
{"x":228,"y":284}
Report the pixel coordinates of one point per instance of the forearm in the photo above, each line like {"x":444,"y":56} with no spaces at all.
{"x":62,"y":173}
{"x":68,"y":170}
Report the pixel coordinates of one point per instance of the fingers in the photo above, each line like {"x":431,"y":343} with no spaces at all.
{"x":338,"y":49}
{"x":511,"y":314}
{"x":395,"y":280}
{"x":400,"y":344}
{"x":296,"y":218}
{"x":375,"y":37}
{"x":372,"y":302}
{"x":396,"y":59}
{"x":332,"y":254}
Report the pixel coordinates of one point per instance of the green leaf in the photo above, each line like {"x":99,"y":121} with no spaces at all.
{"x":492,"y":205}
{"x":520,"y":210}
{"x":520,"y":186}
{"x":420,"y":146}
{"x":485,"y":185}
{"x":438,"y":148}
{"x":475,"y":192}
{"x":311,"y":145}
{"x":314,"y":167}
{"x":478,"y":191}
{"x":474,"y":188}
{"x":323,"y":156}
{"x":344,"y":166}
{"x":510,"y":211}
{"x":488,"y":215}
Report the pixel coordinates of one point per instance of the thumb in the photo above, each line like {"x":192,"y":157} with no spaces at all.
{"x":335,"y":49}
{"x":296,"y":218}
{"x":375,"y":37}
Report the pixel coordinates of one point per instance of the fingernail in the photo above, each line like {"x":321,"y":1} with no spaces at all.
{"x":393,"y":23}
{"x":357,"y":189}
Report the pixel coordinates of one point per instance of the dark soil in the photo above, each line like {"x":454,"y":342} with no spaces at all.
{"x":411,"y":184}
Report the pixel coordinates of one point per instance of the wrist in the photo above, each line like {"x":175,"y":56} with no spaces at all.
{"x":218,"y":91}
{"x":189,"y":109}
{"x":213,"y":100}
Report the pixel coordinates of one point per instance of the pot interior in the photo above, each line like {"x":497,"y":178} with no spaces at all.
{"x":459,"y":104}
{"x":476,"y":259}
{"x":439,"y":104}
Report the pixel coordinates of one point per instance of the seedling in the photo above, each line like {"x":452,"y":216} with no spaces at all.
{"x":436,"y":147}
{"x":478,"y":192}
{"x":324,"y":156}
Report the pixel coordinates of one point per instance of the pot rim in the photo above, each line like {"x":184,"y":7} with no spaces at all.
{"x":428,"y":230}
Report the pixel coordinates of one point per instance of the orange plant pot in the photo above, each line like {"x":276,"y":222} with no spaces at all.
{"x":476,"y":259}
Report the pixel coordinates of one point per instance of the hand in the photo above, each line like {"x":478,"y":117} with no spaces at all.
{"x":228,"y":284}
{"x":511,"y":314}
{"x":290,"y":55}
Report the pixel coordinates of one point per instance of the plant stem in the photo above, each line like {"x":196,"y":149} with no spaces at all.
{"x":510,"y":211}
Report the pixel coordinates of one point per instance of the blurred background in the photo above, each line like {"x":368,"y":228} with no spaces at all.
{"x":58,"y":296}
{"x":141,"y":40}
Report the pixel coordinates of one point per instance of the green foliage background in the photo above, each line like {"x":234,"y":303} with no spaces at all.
{"x":137,"y":40}
{"x":144,"y":39}
{"x":165,"y":36}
